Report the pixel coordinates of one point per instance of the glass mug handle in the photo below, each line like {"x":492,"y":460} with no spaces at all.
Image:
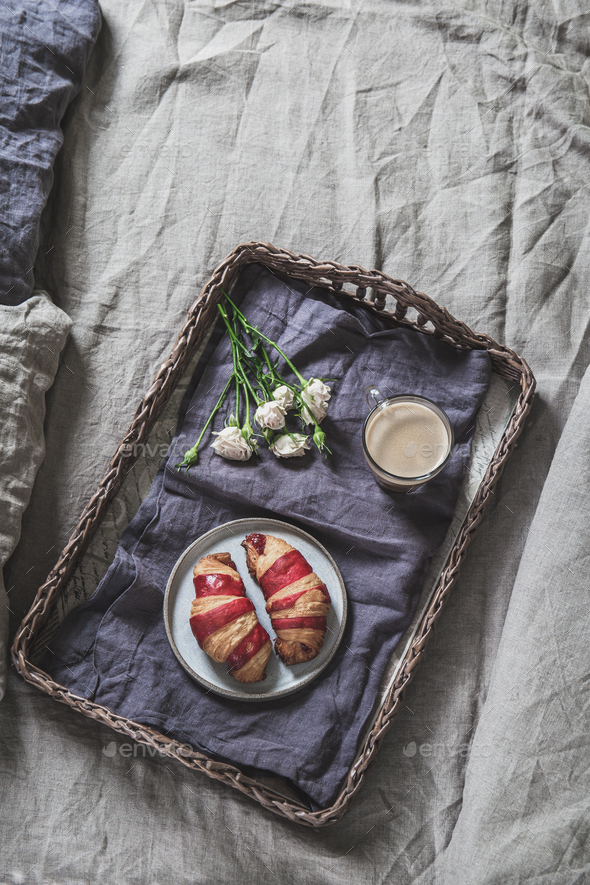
{"x":373,"y":396}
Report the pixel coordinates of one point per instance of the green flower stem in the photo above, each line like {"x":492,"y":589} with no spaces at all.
{"x":269,"y":436}
{"x":264,"y":381}
{"x":192,"y":455}
{"x":280,"y":381}
{"x":247,"y":410}
{"x":249,"y":387}
{"x":276,"y":376}
{"x":235,"y":340}
{"x":241,"y":376}
{"x":250,"y":328}
{"x":255,"y":370}
{"x":236,"y":310}
{"x":238,"y":384}
{"x":284,"y":355}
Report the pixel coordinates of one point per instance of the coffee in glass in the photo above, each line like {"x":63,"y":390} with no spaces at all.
{"x":407,"y":440}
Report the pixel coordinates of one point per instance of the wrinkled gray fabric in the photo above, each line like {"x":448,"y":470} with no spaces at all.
{"x":446,"y":144}
{"x":527,"y":772}
{"x":43,"y":54}
{"x":32,"y":336}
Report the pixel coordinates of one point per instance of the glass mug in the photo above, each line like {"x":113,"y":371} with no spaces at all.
{"x":407,"y":439}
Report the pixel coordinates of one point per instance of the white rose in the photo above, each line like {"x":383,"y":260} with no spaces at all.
{"x":315,"y":395}
{"x":231,"y":444}
{"x":290,"y":446}
{"x":271,"y":415}
{"x":284,"y":397}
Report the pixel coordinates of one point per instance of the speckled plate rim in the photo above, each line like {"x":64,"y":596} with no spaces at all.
{"x":271,"y":695}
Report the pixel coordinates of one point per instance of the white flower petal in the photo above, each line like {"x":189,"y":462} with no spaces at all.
{"x":231,"y":444}
{"x":271,"y":415}
{"x":290,"y":445}
{"x":284,"y":396}
{"x":315,"y":395}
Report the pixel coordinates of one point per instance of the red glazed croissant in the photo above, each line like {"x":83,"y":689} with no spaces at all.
{"x":224,"y":622}
{"x":296,"y":599}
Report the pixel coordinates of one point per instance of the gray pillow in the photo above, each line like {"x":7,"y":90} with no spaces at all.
{"x":45,"y":50}
{"x":32,"y":335}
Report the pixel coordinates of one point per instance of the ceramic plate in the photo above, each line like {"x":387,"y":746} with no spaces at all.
{"x":280,"y":679}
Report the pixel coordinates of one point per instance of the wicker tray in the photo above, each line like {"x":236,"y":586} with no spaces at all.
{"x":413,"y":310}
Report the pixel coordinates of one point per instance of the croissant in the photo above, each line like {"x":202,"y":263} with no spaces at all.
{"x":224,"y":621}
{"x":296,"y":599}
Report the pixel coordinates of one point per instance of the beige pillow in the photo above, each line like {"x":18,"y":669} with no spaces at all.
{"x":32,"y":335}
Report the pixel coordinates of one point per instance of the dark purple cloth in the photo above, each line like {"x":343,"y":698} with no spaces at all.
{"x":44,"y":49}
{"x":113,"y":649}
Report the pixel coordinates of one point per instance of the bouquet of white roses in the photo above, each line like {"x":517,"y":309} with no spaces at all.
{"x":262,"y":389}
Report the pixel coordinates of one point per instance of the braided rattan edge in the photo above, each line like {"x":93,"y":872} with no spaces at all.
{"x":430,"y":319}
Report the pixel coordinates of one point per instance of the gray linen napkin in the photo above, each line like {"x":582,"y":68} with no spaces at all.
{"x":113,"y":648}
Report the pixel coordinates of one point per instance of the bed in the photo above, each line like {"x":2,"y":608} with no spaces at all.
{"x":443,"y":144}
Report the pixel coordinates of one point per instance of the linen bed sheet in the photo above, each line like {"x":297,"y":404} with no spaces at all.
{"x":444,"y":143}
